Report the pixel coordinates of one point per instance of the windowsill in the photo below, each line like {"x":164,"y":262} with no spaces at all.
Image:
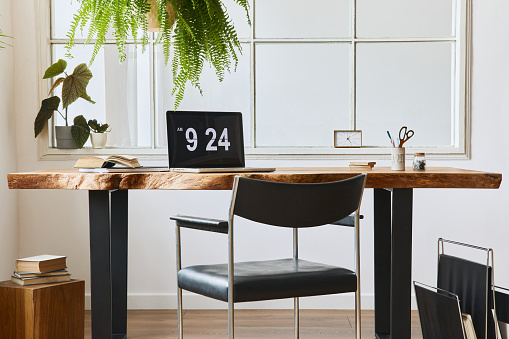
{"x":266,"y":153}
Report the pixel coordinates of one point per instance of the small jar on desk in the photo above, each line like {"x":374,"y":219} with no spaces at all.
{"x":419,"y":162}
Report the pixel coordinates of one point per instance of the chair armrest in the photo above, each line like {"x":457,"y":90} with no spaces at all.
{"x":204,"y":224}
{"x":347,"y":221}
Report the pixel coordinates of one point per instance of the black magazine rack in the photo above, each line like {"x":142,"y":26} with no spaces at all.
{"x":502,"y":305}
{"x":472,"y":283}
{"x":439,"y":312}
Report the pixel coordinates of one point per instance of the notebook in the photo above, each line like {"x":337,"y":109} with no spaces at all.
{"x":204,"y":142}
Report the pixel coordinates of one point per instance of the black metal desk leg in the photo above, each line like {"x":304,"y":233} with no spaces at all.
{"x":382,"y":251}
{"x":108,"y":263}
{"x":119,"y":262}
{"x":401,"y":275}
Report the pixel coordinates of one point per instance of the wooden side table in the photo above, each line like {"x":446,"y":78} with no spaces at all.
{"x":52,"y":311}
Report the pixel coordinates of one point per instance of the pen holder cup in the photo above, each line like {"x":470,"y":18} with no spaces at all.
{"x":398,"y":158}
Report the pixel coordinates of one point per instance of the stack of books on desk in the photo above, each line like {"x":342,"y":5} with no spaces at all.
{"x":362,"y":165}
{"x":41,"y":269}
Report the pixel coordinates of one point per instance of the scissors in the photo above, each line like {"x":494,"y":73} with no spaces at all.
{"x":404,"y":135}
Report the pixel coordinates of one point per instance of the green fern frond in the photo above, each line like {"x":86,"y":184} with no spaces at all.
{"x":202,"y":33}
{"x":3,"y":42}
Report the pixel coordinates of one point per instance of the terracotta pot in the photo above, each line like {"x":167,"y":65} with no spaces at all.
{"x":98,"y":139}
{"x":153,"y":22}
{"x":64,"y":137}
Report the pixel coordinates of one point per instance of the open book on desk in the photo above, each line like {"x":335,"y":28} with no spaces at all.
{"x":107,"y":161}
{"x":123,"y":170}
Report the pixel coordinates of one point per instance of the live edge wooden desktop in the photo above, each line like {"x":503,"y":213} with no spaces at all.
{"x":393,"y":193}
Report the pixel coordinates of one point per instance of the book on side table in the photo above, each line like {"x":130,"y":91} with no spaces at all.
{"x":41,"y":263}
{"x":41,"y":269}
{"x":41,"y":280}
{"x":23,"y":275}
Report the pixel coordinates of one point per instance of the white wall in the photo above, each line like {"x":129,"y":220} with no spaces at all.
{"x":56,"y":221}
{"x":8,"y":199}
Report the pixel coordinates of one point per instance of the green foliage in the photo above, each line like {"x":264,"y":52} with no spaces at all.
{"x":80,"y":131}
{"x":48,"y":107}
{"x":74,"y":86}
{"x":56,"y":69}
{"x":125,"y":17}
{"x":202,"y":32}
{"x":2,"y":43}
{"x":98,"y":127}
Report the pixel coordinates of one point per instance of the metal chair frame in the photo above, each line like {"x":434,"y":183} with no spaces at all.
{"x":231,"y":309}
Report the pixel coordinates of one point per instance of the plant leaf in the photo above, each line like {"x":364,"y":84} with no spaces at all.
{"x":75,"y":84}
{"x":93,"y":124}
{"x":55,"y":84}
{"x":104,"y":128}
{"x":80,"y":131}
{"x":55,"y":69}
{"x":87,"y":97}
{"x":48,"y":106}
{"x":81,"y":121}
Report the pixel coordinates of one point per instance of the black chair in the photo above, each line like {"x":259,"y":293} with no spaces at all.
{"x":284,"y":205}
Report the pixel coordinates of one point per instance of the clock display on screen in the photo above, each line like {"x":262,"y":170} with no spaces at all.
{"x":205,"y":139}
{"x":348,"y":138}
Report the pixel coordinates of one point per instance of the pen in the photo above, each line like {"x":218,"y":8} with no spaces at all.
{"x":390,"y":138}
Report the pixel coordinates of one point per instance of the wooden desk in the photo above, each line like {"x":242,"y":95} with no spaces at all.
{"x":393,"y":194}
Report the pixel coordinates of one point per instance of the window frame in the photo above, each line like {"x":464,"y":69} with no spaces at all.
{"x":462,"y":96}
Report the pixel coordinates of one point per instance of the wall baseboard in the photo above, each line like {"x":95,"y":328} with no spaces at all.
{"x":193,"y":301}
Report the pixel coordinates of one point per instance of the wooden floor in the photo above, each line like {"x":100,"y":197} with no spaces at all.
{"x":270,"y":324}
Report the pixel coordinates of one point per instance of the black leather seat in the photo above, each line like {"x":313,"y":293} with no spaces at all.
{"x":268,"y":280}
{"x":283,"y":205}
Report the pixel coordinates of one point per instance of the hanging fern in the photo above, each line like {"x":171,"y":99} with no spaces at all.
{"x":2,"y":43}
{"x":200,"y":31}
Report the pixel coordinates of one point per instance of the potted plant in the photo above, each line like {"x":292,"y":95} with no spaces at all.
{"x":98,"y":135}
{"x":74,"y":86}
{"x":194,"y":31}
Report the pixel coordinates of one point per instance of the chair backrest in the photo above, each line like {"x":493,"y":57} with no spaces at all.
{"x":296,"y":205}
{"x":439,"y":313}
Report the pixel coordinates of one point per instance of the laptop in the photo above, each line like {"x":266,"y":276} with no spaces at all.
{"x":206,"y":142}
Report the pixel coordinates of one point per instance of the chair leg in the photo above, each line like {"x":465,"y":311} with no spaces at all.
{"x":296,"y":324}
{"x":231,"y":317}
{"x":179,"y":314}
{"x":357,"y":315}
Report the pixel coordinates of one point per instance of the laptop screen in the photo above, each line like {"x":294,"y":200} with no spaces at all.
{"x":205,"y":139}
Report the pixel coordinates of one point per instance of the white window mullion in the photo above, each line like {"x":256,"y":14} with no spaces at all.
{"x":353,"y":67}
{"x":253,"y":76}
{"x":153,"y":118}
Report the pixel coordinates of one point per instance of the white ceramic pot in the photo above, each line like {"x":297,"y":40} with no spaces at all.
{"x":98,"y":139}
